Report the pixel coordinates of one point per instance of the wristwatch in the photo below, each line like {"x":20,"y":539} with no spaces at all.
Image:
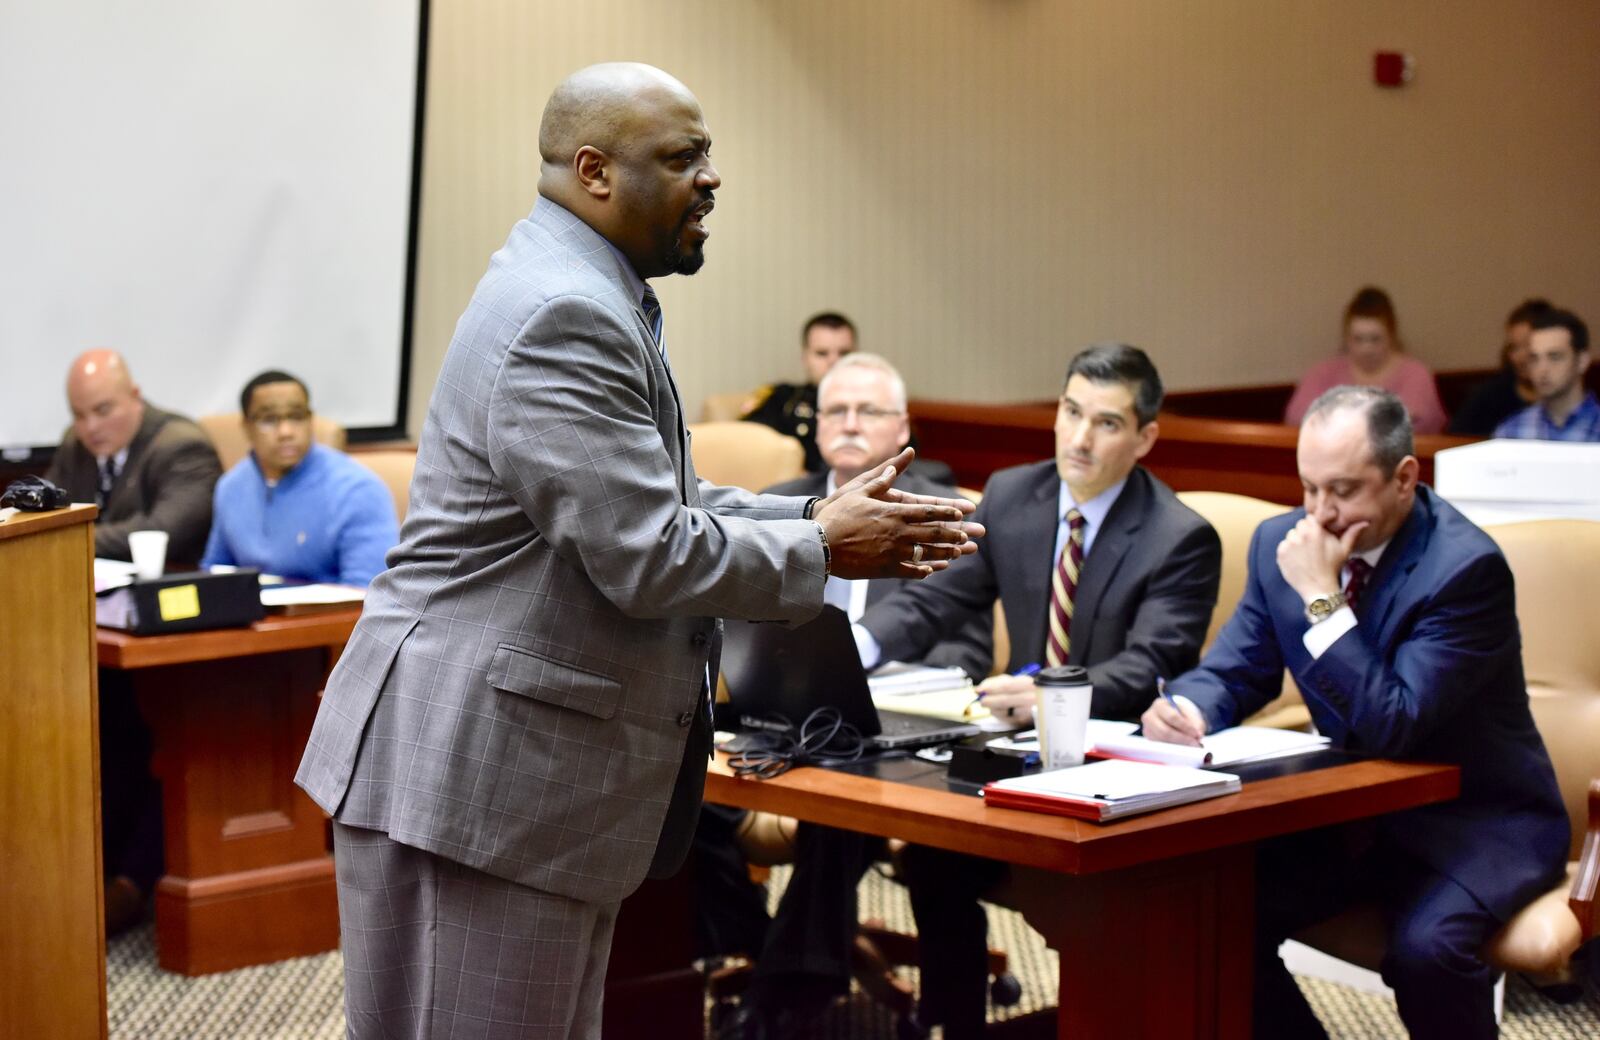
{"x":1323,"y":607}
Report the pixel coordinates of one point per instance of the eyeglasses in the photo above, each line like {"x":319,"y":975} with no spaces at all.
{"x":269,"y":423}
{"x":866,"y":413}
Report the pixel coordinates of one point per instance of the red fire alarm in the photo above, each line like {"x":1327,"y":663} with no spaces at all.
{"x":1392,"y":68}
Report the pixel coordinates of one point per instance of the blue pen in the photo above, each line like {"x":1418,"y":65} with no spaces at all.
{"x":1161,"y":688}
{"x":1026,"y":670}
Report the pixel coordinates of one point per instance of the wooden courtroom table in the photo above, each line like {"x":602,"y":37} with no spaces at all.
{"x":1153,"y":915}
{"x":248,"y":875}
{"x":249,"y":879}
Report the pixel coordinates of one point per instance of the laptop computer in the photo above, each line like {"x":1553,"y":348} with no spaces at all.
{"x":774,"y":671}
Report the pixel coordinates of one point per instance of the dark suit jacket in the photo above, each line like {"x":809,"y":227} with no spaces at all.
{"x":1433,"y":671}
{"x":164,"y":486}
{"x":970,"y":646}
{"x":1144,"y":597}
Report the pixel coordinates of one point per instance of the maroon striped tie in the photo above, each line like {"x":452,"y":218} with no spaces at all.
{"x":1063,"y":587}
{"x":1360,"y":571}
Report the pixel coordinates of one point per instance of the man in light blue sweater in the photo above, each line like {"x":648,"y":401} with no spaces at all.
{"x":293,"y":508}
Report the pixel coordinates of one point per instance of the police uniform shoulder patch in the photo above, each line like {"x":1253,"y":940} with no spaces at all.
{"x":757,"y":398}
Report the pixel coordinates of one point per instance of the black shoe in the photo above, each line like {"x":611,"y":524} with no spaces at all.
{"x":757,"y":1020}
{"x":125,"y":905}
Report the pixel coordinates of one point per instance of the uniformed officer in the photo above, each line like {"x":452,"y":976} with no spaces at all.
{"x":791,"y":408}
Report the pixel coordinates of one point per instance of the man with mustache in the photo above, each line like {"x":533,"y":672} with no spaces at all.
{"x":517,"y":731}
{"x":861,"y":424}
{"x":1097,"y":564}
{"x":803,"y":961}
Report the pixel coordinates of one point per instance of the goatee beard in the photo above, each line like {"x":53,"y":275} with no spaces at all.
{"x":686,"y":261}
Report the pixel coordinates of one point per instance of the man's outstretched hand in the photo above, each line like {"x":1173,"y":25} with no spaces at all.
{"x":876,"y":530}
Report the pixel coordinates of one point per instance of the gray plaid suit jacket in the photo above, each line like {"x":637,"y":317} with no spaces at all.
{"x":522,"y":685}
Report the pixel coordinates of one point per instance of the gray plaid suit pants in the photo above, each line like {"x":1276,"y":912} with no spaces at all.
{"x":434,"y":950}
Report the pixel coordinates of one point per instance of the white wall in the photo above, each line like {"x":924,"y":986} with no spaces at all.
{"x":986,"y":185}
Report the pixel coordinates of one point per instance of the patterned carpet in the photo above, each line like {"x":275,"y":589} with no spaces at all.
{"x":302,"y":999}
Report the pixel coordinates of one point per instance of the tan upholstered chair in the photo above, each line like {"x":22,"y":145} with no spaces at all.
{"x":745,"y":454}
{"x":226,"y":431}
{"x":724,"y":407}
{"x":394,"y":466}
{"x":1556,"y":564}
{"x":1236,"y":518}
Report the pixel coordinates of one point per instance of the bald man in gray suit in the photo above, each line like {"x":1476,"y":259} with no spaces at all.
{"x":518,"y":729}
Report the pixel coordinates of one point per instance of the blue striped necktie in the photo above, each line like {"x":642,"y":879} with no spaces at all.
{"x":652,"y":314}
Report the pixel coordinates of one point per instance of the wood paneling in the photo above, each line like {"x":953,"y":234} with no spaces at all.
{"x":1246,"y":458}
{"x":52,"y":956}
{"x":248,"y":875}
{"x":1267,"y":403}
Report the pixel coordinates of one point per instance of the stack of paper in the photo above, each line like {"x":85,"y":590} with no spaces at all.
{"x":1223,"y":748}
{"x":1109,"y":790}
{"x":1095,"y":731}
{"x":938,"y":693}
{"x":112,"y":574}
{"x":898,"y":679}
{"x":295,"y":599}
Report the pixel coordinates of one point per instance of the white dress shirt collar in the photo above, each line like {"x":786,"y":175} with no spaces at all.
{"x":119,"y":460}
{"x":1094,"y":513}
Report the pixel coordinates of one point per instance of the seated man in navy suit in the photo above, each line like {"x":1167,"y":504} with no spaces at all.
{"x":1398,"y":620}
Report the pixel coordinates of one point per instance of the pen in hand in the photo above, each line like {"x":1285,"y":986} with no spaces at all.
{"x":1026,"y":671}
{"x":1161,"y":688}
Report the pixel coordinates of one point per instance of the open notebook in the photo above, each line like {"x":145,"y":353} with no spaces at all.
{"x":1108,"y":790}
{"x":1223,"y":748}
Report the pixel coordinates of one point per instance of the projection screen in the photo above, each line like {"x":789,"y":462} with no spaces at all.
{"x":212,"y":189}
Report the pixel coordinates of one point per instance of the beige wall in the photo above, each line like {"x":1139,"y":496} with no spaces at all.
{"x":986,"y":185}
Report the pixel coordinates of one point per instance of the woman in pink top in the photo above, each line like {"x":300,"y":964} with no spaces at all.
{"x":1372,"y":357}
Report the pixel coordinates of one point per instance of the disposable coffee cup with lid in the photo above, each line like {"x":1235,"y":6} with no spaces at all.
{"x":1062,"y":714}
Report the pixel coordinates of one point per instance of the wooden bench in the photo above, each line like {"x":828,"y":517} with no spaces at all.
{"x":1192,"y":454}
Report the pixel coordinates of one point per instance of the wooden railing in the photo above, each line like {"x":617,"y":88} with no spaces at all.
{"x":1266,"y":403}
{"x":1192,"y":454}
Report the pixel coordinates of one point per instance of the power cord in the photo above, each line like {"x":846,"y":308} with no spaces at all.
{"x":824,"y":736}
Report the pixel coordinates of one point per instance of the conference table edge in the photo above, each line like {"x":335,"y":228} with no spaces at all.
{"x":1263,"y":809}
{"x":117,"y":649}
{"x":23,"y":525}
